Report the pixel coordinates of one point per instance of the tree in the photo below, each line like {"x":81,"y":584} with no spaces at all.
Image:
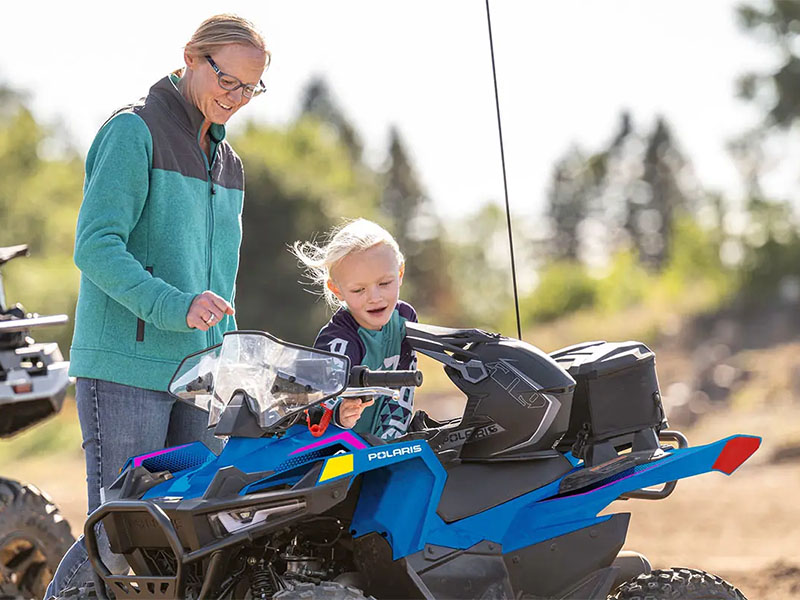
{"x":300,"y":182}
{"x":778,"y":23}
{"x":40,"y":193}
{"x":318,"y":101}
{"x":418,"y":232}
{"x":777,"y":92}
{"x":573,"y":186}
{"x":645,"y":184}
{"x":478,"y":264}
{"x":626,"y":194}
{"x":770,"y":242}
{"x":652,"y":213}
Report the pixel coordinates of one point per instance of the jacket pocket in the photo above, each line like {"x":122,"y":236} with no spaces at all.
{"x":140,"y":322}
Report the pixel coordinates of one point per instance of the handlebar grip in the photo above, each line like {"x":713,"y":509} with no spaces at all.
{"x":361,"y":376}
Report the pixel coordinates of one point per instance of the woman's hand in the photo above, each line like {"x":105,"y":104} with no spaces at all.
{"x":350,"y":410}
{"x":206,"y":310}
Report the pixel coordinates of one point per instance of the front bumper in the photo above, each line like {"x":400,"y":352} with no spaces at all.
{"x":187,"y":529}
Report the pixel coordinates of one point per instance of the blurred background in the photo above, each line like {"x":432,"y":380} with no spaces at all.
{"x":654,"y":181}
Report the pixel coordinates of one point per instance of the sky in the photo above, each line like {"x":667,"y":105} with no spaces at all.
{"x":565,"y":70}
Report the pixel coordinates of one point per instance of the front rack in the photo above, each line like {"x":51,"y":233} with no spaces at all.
{"x":317,"y":499}
{"x":134,"y":586}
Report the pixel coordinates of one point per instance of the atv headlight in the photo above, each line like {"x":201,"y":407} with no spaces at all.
{"x":248,"y":516}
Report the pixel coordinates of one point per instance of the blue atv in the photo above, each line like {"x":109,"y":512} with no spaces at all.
{"x":502,"y":502}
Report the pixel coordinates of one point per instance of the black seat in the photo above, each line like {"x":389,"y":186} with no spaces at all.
{"x":473,"y":487}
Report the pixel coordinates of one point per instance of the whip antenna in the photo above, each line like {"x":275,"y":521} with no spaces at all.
{"x":505,"y":182}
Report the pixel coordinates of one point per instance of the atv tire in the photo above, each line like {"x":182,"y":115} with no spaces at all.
{"x":678,"y":584}
{"x":327,"y":590}
{"x":33,"y":538}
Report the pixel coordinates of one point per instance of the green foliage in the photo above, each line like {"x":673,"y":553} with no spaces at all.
{"x":477,"y":262}
{"x":625,"y":194}
{"x":576,"y":181}
{"x":418,"y":231}
{"x":39,"y":201}
{"x":300,"y":181}
{"x":37,"y":195}
{"x":772,"y":245}
{"x":695,"y":260}
{"x":563,"y":287}
{"x":318,"y":102}
{"x":694,"y":280}
{"x":307,"y":176}
{"x":650,"y":224}
{"x":625,"y":284}
{"x":775,"y":22}
{"x":307,"y":159}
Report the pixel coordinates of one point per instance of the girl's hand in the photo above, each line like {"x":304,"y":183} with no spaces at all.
{"x":350,"y":410}
{"x":206,"y":310}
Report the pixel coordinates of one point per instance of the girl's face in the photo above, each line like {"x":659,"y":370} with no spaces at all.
{"x":242,"y":61}
{"x":368,"y":282}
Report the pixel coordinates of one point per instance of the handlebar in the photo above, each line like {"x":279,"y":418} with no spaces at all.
{"x":31,"y":322}
{"x":361,"y":376}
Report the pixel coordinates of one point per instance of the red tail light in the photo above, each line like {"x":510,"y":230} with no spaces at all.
{"x":735,"y":452}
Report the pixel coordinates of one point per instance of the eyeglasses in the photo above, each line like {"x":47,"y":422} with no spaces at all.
{"x":231,"y":83}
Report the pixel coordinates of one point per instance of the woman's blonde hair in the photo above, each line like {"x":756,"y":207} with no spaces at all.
{"x":224,"y":29}
{"x":351,"y":236}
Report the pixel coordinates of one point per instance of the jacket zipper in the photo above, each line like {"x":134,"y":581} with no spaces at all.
{"x":210,"y":229}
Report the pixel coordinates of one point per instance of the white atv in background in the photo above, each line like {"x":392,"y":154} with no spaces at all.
{"x":33,"y":383}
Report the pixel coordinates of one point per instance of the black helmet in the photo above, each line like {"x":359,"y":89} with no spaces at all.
{"x":518,"y":398}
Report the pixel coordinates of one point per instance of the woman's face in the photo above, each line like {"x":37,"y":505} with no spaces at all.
{"x":202,"y":87}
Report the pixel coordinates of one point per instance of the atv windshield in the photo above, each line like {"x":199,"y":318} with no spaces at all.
{"x":280,"y":379}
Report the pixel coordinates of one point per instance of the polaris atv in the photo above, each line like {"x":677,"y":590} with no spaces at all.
{"x":502,"y":502}
{"x":33,"y":382}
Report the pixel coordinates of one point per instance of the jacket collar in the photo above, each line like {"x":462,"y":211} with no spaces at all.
{"x":184,"y":111}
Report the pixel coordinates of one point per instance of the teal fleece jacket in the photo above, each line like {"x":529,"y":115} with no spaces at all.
{"x":159,"y":224}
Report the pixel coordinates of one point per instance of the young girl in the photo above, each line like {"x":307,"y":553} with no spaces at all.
{"x":360,"y":270}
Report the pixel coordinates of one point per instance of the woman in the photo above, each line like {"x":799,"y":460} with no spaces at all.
{"x":157,"y":244}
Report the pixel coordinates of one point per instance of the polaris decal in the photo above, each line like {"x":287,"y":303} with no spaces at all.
{"x":470,"y":434}
{"x":384,"y":454}
{"x":517,"y":384}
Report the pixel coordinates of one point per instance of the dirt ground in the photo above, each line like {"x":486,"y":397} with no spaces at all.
{"x":745,"y":528}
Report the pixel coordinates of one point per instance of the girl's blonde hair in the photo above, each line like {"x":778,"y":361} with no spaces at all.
{"x":352,"y":236}
{"x":224,"y":29}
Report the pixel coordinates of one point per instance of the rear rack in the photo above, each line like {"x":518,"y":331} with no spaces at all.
{"x":667,"y":435}
{"x":604,"y":473}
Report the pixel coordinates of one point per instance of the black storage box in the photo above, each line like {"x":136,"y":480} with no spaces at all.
{"x":616,"y":390}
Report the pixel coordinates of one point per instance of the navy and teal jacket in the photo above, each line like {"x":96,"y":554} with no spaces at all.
{"x":385,"y":350}
{"x":159,"y":224}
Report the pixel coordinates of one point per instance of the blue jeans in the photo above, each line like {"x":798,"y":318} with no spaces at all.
{"x":117,"y":422}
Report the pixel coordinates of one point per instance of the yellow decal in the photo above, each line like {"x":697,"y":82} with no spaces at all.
{"x":335,"y":466}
